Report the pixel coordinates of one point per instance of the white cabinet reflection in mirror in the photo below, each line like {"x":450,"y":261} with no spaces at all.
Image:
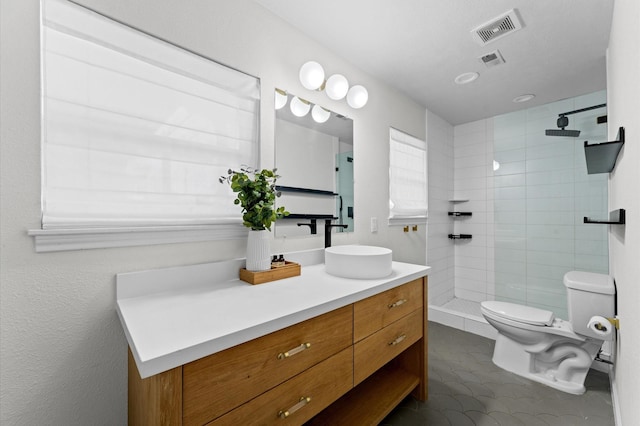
{"x":315,"y":161}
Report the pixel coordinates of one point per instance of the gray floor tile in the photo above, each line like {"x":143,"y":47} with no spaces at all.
{"x":467,"y":389}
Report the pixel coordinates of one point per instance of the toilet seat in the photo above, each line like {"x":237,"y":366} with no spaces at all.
{"x":558,"y":326}
{"x":520,"y":313}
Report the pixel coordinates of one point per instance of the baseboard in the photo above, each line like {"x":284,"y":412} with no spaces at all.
{"x":615,"y":402}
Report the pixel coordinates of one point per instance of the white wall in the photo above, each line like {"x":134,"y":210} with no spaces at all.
{"x":623,"y":69}
{"x":63,"y":353}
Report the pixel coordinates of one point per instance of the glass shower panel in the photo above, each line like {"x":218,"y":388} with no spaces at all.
{"x":541,"y":193}
{"x":344,"y":200}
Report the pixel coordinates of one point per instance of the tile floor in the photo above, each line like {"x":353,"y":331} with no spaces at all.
{"x":467,"y":389}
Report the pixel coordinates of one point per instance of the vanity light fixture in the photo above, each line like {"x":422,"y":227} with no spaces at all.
{"x":357,"y":97}
{"x":336,"y":86}
{"x":299,"y":107}
{"x":280,"y":98}
{"x":312,"y":75}
{"x":466,"y":77}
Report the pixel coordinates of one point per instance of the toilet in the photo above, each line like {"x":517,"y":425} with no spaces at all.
{"x":533,"y":343}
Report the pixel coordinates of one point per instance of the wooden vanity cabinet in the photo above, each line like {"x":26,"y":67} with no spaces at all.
{"x":390,"y":356}
{"x":214,"y":385}
{"x":350,"y":366}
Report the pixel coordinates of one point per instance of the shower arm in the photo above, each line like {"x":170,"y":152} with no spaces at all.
{"x":582,"y":110}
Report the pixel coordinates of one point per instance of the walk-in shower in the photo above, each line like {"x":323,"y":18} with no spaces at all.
{"x":527,"y":221}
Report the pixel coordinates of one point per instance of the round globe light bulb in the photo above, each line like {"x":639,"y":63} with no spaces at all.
{"x":281,"y":99}
{"x":337,"y":87}
{"x":298,"y":107}
{"x":319,"y":114}
{"x":311,"y":75}
{"x":357,"y":97}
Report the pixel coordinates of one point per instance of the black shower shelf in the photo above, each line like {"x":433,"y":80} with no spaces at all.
{"x":460,"y":214}
{"x":616,"y":217}
{"x":601,"y":157}
{"x":460,"y":236}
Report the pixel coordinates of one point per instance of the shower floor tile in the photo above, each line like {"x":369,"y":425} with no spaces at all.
{"x":466,"y":388}
{"x":465,"y":306}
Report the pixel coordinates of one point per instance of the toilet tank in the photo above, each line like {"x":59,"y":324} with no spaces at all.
{"x":589,"y":294}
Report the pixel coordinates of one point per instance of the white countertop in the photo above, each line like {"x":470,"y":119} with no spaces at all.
{"x":177,"y":315}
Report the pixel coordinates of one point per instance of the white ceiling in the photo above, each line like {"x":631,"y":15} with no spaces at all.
{"x":420,"y":46}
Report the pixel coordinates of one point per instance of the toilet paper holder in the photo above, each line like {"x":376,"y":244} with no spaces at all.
{"x":614,"y":321}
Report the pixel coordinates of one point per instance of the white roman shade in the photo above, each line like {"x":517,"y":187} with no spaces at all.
{"x":136,"y":131}
{"x":407,"y":179}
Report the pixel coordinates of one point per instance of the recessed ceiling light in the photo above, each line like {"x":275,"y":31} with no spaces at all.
{"x":523,"y":98}
{"x":466,"y":77}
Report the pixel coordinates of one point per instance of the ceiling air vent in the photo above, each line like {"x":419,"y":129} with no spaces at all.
{"x":499,"y":27}
{"x":492,"y":59}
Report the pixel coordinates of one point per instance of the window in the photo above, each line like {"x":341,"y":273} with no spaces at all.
{"x":136,"y":131}
{"x":407,"y":179}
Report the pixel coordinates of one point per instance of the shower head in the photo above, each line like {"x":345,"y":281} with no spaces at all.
{"x":562,"y":123}
{"x":562,"y":132}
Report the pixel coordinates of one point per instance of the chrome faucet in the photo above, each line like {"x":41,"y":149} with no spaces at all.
{"x":327,"y":231}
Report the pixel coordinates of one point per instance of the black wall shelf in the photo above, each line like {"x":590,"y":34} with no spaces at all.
{"x":305,"y":190}
{"x":616,"y":217}
{"x":460,"y":214}
{"x":460,"y":236}
{"x":601,"y":157}
{"x":308,"y":216}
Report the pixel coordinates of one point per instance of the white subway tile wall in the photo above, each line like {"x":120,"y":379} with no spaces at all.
{"x":440,"y":250}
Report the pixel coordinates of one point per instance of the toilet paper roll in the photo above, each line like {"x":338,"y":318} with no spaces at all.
{"x":600,"y":325}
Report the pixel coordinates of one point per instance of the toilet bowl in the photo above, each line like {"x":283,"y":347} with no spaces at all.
{"x":533,"y":343}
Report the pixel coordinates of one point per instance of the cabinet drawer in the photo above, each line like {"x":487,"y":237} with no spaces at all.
{"x":370,"y":315}
{"x":215,"y":385}
{"x":376,"y":350}
{"x":302,"y":397}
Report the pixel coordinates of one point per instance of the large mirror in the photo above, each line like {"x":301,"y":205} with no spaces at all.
{"x":314,"y":156}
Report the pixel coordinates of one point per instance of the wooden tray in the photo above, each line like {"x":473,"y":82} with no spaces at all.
{"x":289,"y":269}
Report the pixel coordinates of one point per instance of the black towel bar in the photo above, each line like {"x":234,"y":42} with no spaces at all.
{"x":460,"y":236}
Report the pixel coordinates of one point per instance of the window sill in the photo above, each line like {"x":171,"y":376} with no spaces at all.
{"x":48,"y":240}
{"x":404,"y":221}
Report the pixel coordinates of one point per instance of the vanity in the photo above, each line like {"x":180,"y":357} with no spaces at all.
{"x":313,"y":349}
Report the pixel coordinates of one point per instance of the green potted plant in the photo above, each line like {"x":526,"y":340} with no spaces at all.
{"x":256,"y":194}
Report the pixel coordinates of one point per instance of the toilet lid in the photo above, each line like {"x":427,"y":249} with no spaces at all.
{"x":520,"y":313}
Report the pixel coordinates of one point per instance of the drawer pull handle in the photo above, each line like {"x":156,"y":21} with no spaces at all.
{"x":283,"y":414}
{"x":398,"y":339}
{"x":396,"y":304}
{"x":291,"y":352}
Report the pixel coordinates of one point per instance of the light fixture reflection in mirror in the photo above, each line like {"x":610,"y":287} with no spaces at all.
{"x":280,"y":99}
{"x":319,"y":114}
{"x":299,"y":107}
{"x":314,"y":157}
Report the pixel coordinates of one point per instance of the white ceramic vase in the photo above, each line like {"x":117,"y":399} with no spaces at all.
{"x":258,"y":251}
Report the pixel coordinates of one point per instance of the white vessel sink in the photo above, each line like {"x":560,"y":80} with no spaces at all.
{"x":361,"y":262}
